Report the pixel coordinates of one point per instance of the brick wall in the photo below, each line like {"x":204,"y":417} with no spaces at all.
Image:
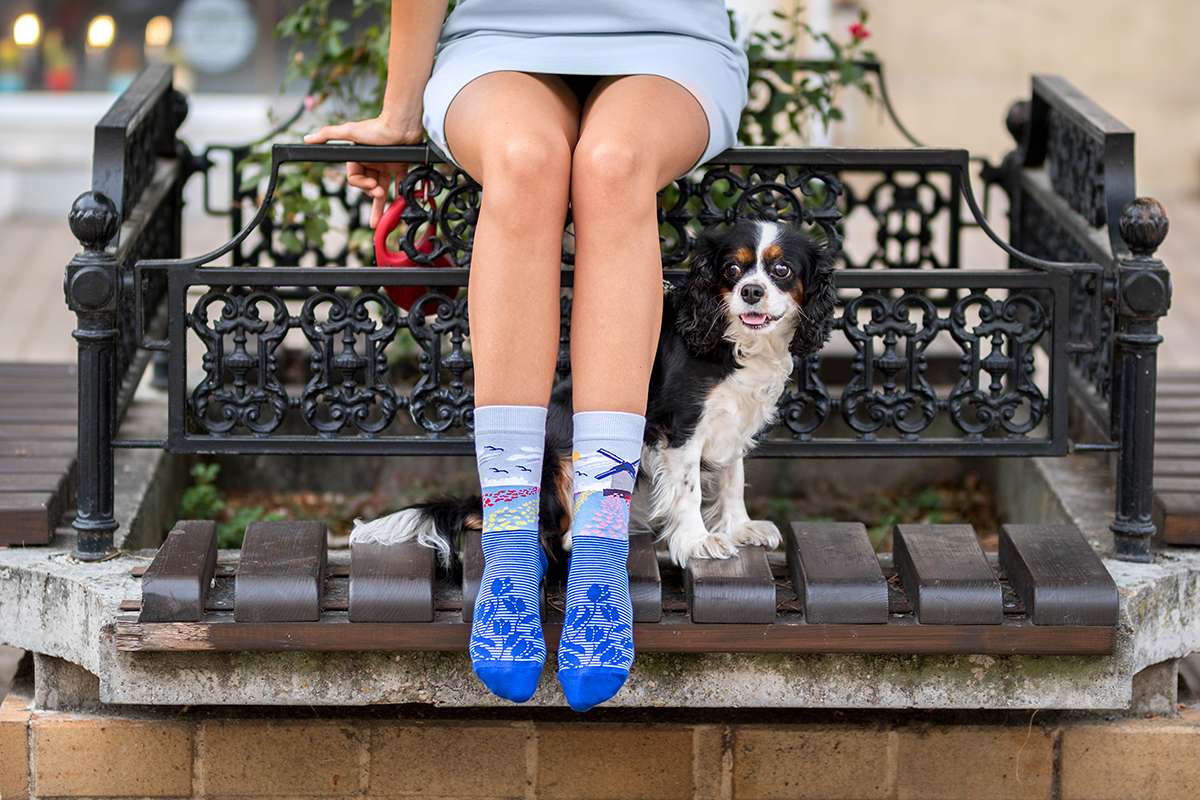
{"x":194,"y":755}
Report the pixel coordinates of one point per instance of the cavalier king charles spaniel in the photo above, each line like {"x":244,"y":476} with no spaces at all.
{"x":758,"y":295}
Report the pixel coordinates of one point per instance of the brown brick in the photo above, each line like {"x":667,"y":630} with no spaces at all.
{"x":810,"y":761}
{"x":614,"y":762}
{"x":1153,"y":759}
{"x":76,"y":755}
{"x":14,"y":747}
{"x":709,"y":761}
{"x":449,"y":760}
{"x":975,"y":761}
{"x":255,"y":758}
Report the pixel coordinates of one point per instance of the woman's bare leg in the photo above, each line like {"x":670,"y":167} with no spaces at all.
{"x":514,"y":133}
{"x":638,"y":132}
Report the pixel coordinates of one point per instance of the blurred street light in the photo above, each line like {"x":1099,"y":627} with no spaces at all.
{"x":27,"y":30}
{"x":101,"y":32}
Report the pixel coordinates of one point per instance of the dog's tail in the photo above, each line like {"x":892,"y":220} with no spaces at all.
{"x":444,"y":523}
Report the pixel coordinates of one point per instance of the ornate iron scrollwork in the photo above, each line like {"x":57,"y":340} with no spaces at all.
{"x":241,"y":385}
{"x":888,"y":388}
{"x":1010,"y":329}
{"x":348,"y":377}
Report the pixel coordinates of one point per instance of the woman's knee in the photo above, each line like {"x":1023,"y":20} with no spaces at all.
{"x":612,"y":169}
{"x":527,"y":163}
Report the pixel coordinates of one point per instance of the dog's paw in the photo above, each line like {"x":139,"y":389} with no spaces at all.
{"x":566,"y":541}
{"x":701,"y":545}
{"x":757,"y":532}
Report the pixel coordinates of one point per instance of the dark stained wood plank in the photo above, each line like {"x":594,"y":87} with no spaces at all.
{"x":947,"y":576}
{"x":676,"y":636}
{"x":1058,"y":575}
{"x":34,"y":465}
{"x":281,"y":572}
{"x":836,"y":573}
{"x":472,"y":571}
{"x":175,"y":585}
{"x":645,"y":582}
{"x":28,"y":517}
{"x":1177,"y":517}
{"x":20,"y":448}
{"x":35,"y":431}
{"x":391,"y":583}
{"x":738,"y":589}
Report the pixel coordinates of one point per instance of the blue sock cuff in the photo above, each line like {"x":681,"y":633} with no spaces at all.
{"x":510,"y":419}
{"x":620,"y":426}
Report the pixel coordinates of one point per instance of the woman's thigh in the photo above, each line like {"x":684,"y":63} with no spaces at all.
{"x":643,"y":124}
{"x":507,"y":116}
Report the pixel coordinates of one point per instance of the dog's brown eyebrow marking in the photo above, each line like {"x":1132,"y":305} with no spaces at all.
{"x":744,"y":255}
{"x":773,"y":253}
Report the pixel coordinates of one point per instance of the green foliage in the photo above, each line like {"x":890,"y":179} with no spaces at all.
{"x":802,"y":91}
{"x":203,"y":500}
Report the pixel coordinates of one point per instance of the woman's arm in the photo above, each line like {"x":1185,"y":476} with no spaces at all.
{"x":415,"y":25}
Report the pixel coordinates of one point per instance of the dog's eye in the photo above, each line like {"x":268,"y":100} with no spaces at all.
{"x":780,"y":270}
{"x":732,"y":271}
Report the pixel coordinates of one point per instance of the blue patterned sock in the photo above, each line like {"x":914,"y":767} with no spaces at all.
{"x":596,"y":649}
{"x":507,"y":647}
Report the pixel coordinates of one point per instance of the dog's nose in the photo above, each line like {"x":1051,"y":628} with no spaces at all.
{"x":752,"y":293}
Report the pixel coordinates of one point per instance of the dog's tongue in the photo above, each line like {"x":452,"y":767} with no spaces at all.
{"x":754,"y":319}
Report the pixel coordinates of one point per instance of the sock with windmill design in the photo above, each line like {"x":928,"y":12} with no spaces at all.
{"x":596,"y":648}
{"x":507,"y":646}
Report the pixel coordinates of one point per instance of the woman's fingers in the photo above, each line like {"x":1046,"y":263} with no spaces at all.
{"x":345,"y":131}
{"x":377,"y":205}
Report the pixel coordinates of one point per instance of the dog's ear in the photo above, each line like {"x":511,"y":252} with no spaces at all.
{"x":816,"y":318}
{"x":700,"y":317}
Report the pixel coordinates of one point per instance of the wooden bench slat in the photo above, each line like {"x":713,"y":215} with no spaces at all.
{"x":281,"y":573}
{"x":28,"y":517}
{"x":38,"y":369}
{"x":1180,"y":450}
{"x":738,"y":589}
{"x":1177,"y":485}
{"x":836,"y":573}
{"x":1177,"y":517}
{"x":946,"y":575}
{"x":1058,"y":575}
{"x":1176,"y":468}
{"x":472,"y":571}
{"x":25,"y":448}
{"x":37,"y":416}
{"x":34,"y":465}
{"x":175,"y":585}
{"x":34,"y":482}
{"x":391,"y":583}
{"x":36,"y":431}
{"x":645,"y":581}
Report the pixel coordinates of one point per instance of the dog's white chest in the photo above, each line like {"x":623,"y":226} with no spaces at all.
{"x":740,"y":406}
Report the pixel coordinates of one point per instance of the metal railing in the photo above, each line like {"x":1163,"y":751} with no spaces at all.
{"x":929,"y":359}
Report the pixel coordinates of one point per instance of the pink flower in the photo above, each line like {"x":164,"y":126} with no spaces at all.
{"x":859,"y":31}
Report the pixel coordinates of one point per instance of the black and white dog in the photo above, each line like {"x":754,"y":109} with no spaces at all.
{"x":757,"y":295}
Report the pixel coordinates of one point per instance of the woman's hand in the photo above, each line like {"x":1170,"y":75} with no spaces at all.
{"x":373,"y":178}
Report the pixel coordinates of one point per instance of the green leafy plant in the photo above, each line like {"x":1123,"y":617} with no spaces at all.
{"x":203,"y":500}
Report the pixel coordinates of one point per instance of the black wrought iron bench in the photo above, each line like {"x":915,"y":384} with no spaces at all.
{"x":1054,"y":353}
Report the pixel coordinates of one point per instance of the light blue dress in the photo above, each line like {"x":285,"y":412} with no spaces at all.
{"x":687,"y":41}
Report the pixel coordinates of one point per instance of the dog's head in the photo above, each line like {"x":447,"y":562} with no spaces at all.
{"x":756,"y":279}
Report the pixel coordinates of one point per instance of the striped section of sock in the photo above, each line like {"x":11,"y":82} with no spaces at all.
{"x":596,"y":648}
{"x":507,"y":646}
